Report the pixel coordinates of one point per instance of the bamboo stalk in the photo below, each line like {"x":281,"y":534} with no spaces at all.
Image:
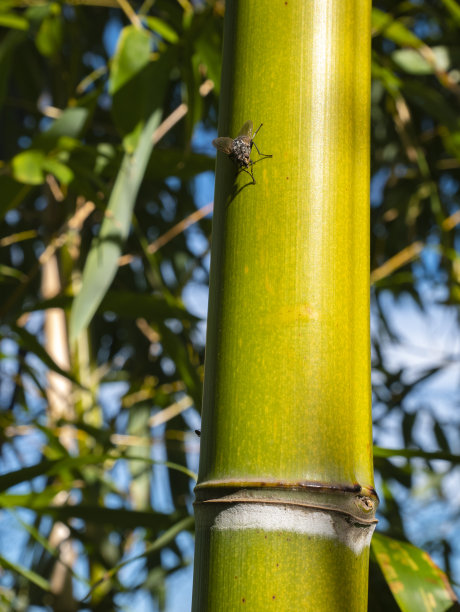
{"x":285,"y":502}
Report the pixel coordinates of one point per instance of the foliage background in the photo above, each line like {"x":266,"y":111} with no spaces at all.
{"x":97,"y":439}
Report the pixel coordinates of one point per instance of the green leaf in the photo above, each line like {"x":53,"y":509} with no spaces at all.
{"x":44,"y":542}
{"x":128,"y":304}
{"x":407,"y":426}
{"x":70,"y":124}
{"x":416,"y":582}
{"x":131,"y":56}
{"x":184,"y":165}
{"x":28,"y":167}
{"x":208,"y":47}
{"x":453,"y":8}
{"x":158,"y":544}
{"x":62,"y":172}
{"x":55,"y":467}
{"x":432,"y":102}
{"x":133,"y":305}
{"x":178,"y":351}
{"x":30,"y":343}
{"x":102,"y":262}
{"x":383,"y":23}
{"x":8,"y":271}
{"x":412,"y":62}
{"x":12,"y":20}
{"x":49,"y":36}
{"x":26,"y":573}
{"x":410,"y":453}
{"x":390,"y":81}
{"x":35,"y":534}
{"x":441,"y":438}
{"x":162,"y":541}
{"x":134,"y":82}
{"x":163,"y":29}
{"x":33,"y":500}
{"x":122,"y":518}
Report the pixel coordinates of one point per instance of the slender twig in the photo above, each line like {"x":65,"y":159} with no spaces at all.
{"x":169,"y":122}
{"x":171,"y":233}
{"x":410,"y":252}
{"x":74,"y":223}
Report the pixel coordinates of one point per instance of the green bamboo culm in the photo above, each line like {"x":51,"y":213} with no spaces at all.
{"x":285,"y":504}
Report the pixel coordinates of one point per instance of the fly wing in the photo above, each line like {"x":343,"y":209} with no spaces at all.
{"x":246,"y":130}
{"x":224,"y":144}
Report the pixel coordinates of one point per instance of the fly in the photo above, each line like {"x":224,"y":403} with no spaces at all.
{"x":239,"y":149}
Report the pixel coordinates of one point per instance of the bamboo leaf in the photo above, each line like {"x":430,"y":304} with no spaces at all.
{"x":122,"y":518}
{"x":184,"y":165}
{"x":416,"y":582}
{"x":163,"y":29}
{"x":61,"y":171}
{"x":50,"y":33}
{"x":14,"y":21}
{"x":207,"y":46}
{"x":9,"y":272}
{"x":441,"y":438}
{"x":161,"y":542}
{"x":384,"y":23}
{"x":27,"y":167}
{"x":30,"y":343}
{"x":26,"y":573}
{"x":128,"y":304}
{"x":44,"y":542}
{"x":131,"y":84}
{"x":69,"y":124}
{"x":32,"y":500}
{"x":413,"y":62}
{"x":55,"y":467}
{"x":102,"y":262}
{"x":410,"y":453}
{"x":133,"y":305}
{"x":132,"y":54}
{"x":454,"y":9}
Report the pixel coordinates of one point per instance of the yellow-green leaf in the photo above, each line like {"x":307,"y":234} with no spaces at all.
{"x":28,"y":167}
{"x":413,"y":62}
{"x":132,"y":54}
{"x":62,"y":172}
{"x":11,"y":20}
{"x":417,"y":584}
{"x":453,"y":8}
{"x":384,"y":23}
{"x":163,"y":29}
{"x":26,"y":573}
{"x":49,"y":36}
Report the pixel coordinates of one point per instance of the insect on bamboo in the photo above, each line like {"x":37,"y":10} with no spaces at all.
{"x":239,"y":149}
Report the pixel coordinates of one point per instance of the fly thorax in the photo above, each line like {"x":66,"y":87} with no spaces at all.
{"x":241,"y":150}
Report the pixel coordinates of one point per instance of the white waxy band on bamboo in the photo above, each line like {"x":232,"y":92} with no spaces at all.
{"x":271,"y":517}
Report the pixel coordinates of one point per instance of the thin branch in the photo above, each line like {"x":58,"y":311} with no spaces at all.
{"x":130,"y":13}
{"x":410,"y":252}
{"x":171,"y":411}
{"x":172,"y":233}
{"x":169,"y":122}
{"x":74,"y":223}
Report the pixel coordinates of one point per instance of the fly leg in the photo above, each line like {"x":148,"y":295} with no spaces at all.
{"x":261,"y":154}
{"x":250,"y":172}
{"x":257,"y":148}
